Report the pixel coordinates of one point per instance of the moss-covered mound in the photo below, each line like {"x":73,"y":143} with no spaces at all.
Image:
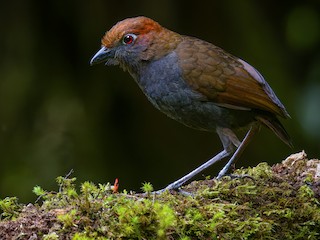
{"x":279,"y":202}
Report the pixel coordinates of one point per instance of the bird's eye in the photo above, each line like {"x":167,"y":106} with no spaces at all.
{"x":128,"y":39}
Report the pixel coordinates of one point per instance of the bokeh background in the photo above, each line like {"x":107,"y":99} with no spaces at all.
{"x":58,"y":113}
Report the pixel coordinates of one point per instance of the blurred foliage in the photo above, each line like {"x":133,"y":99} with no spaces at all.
{"x":57,"y":113}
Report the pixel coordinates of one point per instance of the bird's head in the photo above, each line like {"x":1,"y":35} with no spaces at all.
{"x":133,"y":41}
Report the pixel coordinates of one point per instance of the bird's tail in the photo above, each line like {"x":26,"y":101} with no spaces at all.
{"x":275,"y":125}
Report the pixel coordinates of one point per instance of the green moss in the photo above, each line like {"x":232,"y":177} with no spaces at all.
{"x":273,"y":203}
{"x":9,"y":208}
{"x":147,"y":187}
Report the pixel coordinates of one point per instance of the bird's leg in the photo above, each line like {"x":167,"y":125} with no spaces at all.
{"x":229,"y":141}
{"x":177,"y":184}
{"x":254,"y":128}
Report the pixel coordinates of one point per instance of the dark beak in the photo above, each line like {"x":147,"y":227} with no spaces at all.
{"x":101,"y":56}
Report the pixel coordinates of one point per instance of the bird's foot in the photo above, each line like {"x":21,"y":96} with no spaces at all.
{"x":173,"y":188}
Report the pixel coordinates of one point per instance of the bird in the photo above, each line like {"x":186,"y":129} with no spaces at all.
{"x":195,"y":83}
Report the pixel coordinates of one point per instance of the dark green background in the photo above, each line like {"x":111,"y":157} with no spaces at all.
{"x":58,"y":113}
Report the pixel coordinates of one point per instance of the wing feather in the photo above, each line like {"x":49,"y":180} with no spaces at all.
{"x":224,"y":79}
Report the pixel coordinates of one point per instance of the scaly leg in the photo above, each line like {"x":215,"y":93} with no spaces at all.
{"x":254,"y":128}
{"x":177,"y":184}
{"x":229,"y":141}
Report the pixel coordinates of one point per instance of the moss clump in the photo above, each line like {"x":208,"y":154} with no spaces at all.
{"x":10,"y":208}
{"x":279,"y":202}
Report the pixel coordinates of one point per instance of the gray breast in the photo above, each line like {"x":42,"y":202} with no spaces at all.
{"x":162,"y":83}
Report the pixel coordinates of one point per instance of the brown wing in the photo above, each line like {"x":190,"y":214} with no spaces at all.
{"x":225,"y":79}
